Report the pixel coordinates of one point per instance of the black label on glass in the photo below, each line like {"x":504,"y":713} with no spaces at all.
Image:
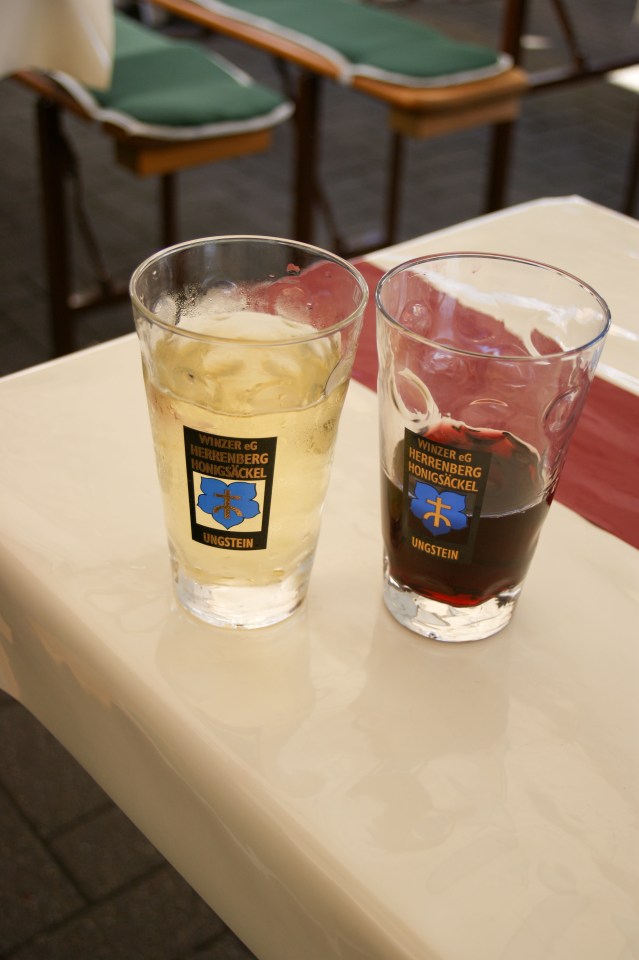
{"x":443,"y":492}
{"x":230,"y":480}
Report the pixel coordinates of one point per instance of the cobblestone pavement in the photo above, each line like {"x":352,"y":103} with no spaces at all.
{"x":77,"y":880}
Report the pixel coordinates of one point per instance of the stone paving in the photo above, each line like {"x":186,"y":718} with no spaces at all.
{"x":77,"y":880}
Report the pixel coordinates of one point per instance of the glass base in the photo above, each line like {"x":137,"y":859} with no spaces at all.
{"x":442,"y":621}
{"x":242,"y":606}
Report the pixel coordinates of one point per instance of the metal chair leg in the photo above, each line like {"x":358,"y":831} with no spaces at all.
{"x":54,"y":170}
{"x":307,"y":152}
{"x":632,"y":188}
{"x":393,"y":188}
{"x":168,"y":222}
{"x":499,"y":166}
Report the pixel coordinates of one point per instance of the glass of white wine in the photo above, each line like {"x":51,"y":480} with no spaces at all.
{"x":247,"y":347}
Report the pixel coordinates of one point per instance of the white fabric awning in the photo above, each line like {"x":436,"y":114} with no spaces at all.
{"x":75,"y":36}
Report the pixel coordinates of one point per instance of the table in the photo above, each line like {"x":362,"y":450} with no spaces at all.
{"x":336,"y":787}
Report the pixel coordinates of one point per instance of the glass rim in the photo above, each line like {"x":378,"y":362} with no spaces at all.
{"x":266,"y":240}
{"x":483,"y":255}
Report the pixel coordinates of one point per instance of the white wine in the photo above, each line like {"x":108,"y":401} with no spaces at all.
{"x":244,"y":428}
{"x":247,"y":348}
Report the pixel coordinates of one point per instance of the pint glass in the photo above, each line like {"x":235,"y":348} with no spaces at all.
{"x":247,"y":347}
{"x":485,"y":362}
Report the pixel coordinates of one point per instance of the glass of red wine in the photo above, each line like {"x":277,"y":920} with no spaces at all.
{"x":484,"y":366}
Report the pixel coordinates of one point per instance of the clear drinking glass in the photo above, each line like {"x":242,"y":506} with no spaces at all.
{"x":247,"y":348}
{"x":484,"y":366}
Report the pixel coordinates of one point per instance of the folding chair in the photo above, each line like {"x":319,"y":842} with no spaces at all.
{"x":431,"y":83}
{"x":170,"y":106}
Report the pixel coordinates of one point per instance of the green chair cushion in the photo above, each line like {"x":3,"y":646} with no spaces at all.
{"x":366,"y":41}
{"x":176,"y":90}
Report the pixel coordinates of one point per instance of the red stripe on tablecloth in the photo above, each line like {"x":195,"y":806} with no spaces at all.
{"x":600,"y":480}
{"x":365,"y":366}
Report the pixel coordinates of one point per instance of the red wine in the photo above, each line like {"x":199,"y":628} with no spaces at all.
{"x":467,"y":528}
